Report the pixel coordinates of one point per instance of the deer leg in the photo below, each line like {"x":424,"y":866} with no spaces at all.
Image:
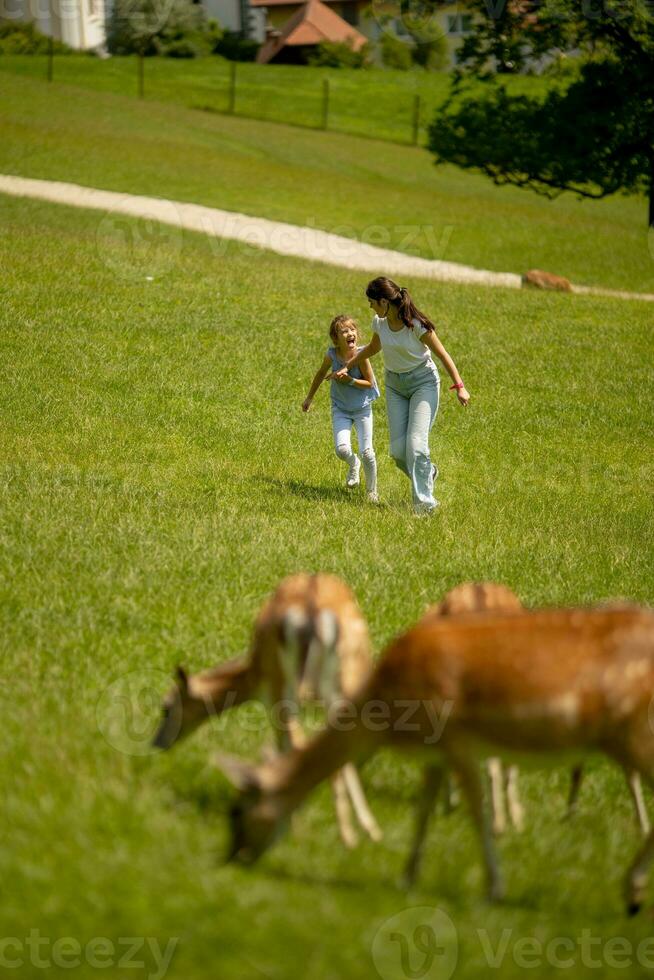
{"x":636,"y":790}
{"x":576,"y":777}
{"x":343,"y":811}
{"x":473,"y":789}
{"x":638,"y":875}
{"x":432,"y":779}
{"x":496,"y":774}
{"x":359,"y":802}
{"x":516,"y":809}
{"x":452,"y":797}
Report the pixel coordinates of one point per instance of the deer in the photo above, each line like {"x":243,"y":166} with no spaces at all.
{"x":490,"y":596}
{"x":310,"y":642}
{"x":480,"y":597}
{"x":544,"y":685}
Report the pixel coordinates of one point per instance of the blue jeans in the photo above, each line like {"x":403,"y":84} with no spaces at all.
{"x":412,"y":403}
{"x":342,"y":423}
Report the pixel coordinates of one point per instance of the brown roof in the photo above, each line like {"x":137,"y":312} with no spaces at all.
{"x":291,"y":3}
{"x":313,"y":23}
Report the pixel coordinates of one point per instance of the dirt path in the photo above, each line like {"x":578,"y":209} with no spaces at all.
{"x":277,"y":236}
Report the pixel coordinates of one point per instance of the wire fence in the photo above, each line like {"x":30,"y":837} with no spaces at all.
{"x":368,"y":105}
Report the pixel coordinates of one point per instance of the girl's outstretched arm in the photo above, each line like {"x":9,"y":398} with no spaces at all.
{"x":319,"y":377}
{"x":367,"y":379}
{"x":431,"y":341}
{"x":369,"y":350}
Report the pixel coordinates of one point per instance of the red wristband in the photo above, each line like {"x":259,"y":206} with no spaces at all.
{"x":459,"y":385}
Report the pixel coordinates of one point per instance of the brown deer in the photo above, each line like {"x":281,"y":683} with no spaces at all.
{"x":310,"y":642}
{"x":544,"y":684}
{"x":488,"y":597}
{"x":480,"y":597}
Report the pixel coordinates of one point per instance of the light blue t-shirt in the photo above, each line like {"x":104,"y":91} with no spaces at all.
{"x":350,"y":398}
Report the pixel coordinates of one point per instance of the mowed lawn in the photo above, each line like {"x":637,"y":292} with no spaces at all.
{"x":375,"y":191}
{"x":376,"y":103}
{"x":158,"y":479}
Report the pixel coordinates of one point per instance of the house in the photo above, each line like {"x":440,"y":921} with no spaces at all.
{"x":82,"y":24}
{"x":78,"y":23}
{"x":373,"y":19}
{"x":312,"y":24}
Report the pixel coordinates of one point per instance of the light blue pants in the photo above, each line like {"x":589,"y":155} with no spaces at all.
{"x":412,"y":403}
{"x":342,"y":423}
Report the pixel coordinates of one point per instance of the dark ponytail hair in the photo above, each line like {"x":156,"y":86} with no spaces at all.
{"x":399,"y":297}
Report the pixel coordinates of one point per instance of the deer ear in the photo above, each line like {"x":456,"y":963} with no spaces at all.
{"x":242,"y":775}
{"x":182,"y":679}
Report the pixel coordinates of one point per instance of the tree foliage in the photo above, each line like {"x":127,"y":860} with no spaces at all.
{"x":340,"y":54}
{"x":593,"y":134}
{"x":172,"y":27}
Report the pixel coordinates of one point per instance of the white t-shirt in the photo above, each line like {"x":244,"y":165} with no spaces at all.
{"x":403,"y":349}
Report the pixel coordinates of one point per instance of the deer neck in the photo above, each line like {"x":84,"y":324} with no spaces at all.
{"x":291,"y":777}
{"x":225,"y":686}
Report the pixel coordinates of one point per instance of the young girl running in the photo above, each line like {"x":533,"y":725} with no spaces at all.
{"x":408,"y":339}
{"x":352,"y":393}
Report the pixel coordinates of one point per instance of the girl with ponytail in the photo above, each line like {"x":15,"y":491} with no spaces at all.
{"x":408,"y":339}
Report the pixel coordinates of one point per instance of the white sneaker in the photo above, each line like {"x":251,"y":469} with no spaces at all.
{"x":353,"y":473}
{"x":372,"y":497}
{"x":424,"y":510}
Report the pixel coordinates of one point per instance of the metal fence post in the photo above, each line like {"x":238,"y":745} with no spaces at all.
{"x":325,"y":103}
{"x":232,"y":88}
{"x":141,"y":73}
{"x":50,"y":58}
{"x":416,"y":119}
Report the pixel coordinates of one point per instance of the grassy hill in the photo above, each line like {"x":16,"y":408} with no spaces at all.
{"x":158,"y":478}
{"x":371,"y":103}
{"x":376,"y":191}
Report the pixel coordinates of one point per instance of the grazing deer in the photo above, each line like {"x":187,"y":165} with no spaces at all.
{"x":489,"y":597}
{"x":545,"y":684}
{"x":310,"y":642}
{"x":480,"y":597}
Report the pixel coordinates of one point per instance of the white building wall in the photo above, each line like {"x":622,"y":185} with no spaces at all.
{"x":78,"y":23}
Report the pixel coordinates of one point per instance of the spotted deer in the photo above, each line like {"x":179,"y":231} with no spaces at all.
{"x":542,"y":685}
{"x":310,"y":642}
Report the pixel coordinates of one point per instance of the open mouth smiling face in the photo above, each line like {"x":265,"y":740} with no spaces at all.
{"x":349,"y":338}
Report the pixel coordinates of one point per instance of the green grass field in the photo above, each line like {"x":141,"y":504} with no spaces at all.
{"x":371,"y":103}
{"x":158,"y":479}
{"x":388,"y":195}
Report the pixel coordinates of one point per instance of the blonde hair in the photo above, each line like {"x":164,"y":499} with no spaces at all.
{"x":342,"y":320}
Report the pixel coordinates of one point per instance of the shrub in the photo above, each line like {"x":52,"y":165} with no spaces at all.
{"x":395,"y":53}
{"x":231,"y":45}
{"x":432,"y":55}
{"x":23,"y":38}
{"x":155,"y":27}
{"x":340,"y":55}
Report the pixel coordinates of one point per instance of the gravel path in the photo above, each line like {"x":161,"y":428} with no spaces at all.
{"x":277,"y":236}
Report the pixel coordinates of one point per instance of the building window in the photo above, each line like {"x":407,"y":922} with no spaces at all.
{"x":459,"y":23}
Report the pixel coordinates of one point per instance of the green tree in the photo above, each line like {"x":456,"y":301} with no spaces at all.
{"x":395,"y":53}
{"x":157,"y":27}
{"x":592,"y":134}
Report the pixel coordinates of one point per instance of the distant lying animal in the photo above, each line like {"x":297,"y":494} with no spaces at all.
{"x":310,"y":641}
